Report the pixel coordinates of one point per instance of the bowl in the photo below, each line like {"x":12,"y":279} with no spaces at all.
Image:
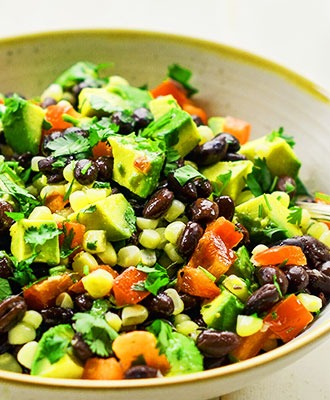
{"x":230,"y":82}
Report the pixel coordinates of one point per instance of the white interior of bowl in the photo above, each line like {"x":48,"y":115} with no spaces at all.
{"x":231,"y":82}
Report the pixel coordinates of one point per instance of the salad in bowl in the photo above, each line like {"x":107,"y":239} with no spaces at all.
{"x":143,"y":238}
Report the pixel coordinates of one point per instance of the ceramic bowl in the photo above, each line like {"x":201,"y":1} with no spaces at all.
{"x":231,"y":82}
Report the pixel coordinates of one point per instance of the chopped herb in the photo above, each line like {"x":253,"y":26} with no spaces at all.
{"x":295,"y":215}
{"x":207,"y":273}
{"x":280,"y":134}
{"x":260,"y":180}
{"x":277,"y":285}
{"x":69,"y":191}
{"x":101,"y":185}
{"x":224,"y":179}
{"x":101,"y":130}
{"x":5,"y":289}
{"x":89,"y":210}
{"x":71,"y":143}
{"x":86,"y":167}
{"x":172,"y":156}
{"x":182,"y":75}
{"x":92,"y":245}
{"x":16,"y":216}
{"x":186,"y":173}
{"x":38,"y":236}
{"x":156,"y":279}
{"x":23,"y":273}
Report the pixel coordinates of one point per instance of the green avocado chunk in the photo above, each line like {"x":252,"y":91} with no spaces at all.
{"x":137,"y":164}
{"x":114,"y":215}
{"x":266,"y":212}
{"x":175,"y":129}
{"x":280,"y":158}
{"x":22,"y":125}
{"x":228,"y":177}
{"x":221,"y":312}
{"x":47,"y":252}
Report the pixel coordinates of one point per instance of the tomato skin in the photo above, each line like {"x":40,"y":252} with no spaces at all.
{"x":123,"y":287}
{"x":102,"y":369}
{"x":290,"y":255}
{"x":226,"y":230}
{"x":288,"y":318}
{"x":102,"y":149}
{"x":195,"y":282}
{"x":54,"y":115}
{"x":238,"y":128}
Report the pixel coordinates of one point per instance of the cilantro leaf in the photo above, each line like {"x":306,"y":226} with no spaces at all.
{"x":172,"y":156}
{"x":96,"y":332}
{"x":70,"y":143}
{"x":186,"y":173}
{"x":224,"y":180}
{"x":23,"y":273}
{"x":156,"y":279}
{"x":101,"y":130}
{"x":40,"y":235}
{"x":5,"y":289}
{"x":280,"y":134}
{"x":295,"y":215}
{"x":260,"y":180}
{"x":183,"y":76}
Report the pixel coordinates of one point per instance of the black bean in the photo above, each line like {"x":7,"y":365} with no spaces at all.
{"x":85,"y":171}
{"x":161,"y":304}
{"x":83,"y":302}
{"x":232,"y":141}
{"x":105,"y":166}
{"x":189,"y":238}
{"x":234,"y":157}
{"x":140,"y":372}
{"x":325,"y":268}
{"x":197,"y":119}
{"x":56,"y":177}
{"x":210,"y":363}
{"x":45,"y":165}
{"x":24,"y":159}
{"x":190,"y":302}
{"x":316,"y":252}
{"x":80,"y":348}
{"x":5,"y":220}
{"x":318,"y":281}
{"x":142,"y":117}
{"x":158,"y":204}
{"x":203,"y":186}
{"x":262,"y":299}
{"x":48,"y":139}
{"x":186,"y":193}
{"x":270,"y":274}
{"x":203,"y":211}
{"x":12,"y":311}
{"x":287,"y":184}
{"x":124,"y":121}
{"x":297,"y":277}
{"x":217,"y":344}
{"x":246,"y":234}
{"x":226,"y":206}
{"x":56,"y":315}
{"x":48,"y":101}
{"x":210,"y":152}
{"x":6,"y":266}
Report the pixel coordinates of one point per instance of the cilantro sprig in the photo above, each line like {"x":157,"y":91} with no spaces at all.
{"x":156,"y":279}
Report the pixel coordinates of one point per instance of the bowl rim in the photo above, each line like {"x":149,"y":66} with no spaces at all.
{"x":239,"y":55}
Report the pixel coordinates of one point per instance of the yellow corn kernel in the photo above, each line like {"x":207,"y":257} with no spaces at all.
{"x":95,"y":195}
{"x":179,"y":318}
{"x":188,"y":328}
{"x":146,"y":223}
{"x":21,"y":333}
{"x":311,"y":302}
{"x":9,"y":363}
{"x":149,"y":238}
{"x":148,"y":257}
{"x":205,"y":133}
{"x":325,"y":238}
{"x":173,"y":231}
{"x":282,"y":197}
{"x":68,"y":172}
{"x":26,"y":354}
{"x":317,"y":229}
{"x":163,"y":241}
{"x":172,"y":253}
{"x":83,"y":260}
{"x":64,"y":300}
{"x":98,"y":283}
{"x":247,"y":325}
{"x":129,"y":256}
{"x":237,"y":286}
{"x":134,"y":315}
{"x":54,"y":91}
{"x":95,"y":241}
{"x":113,"y":320}
{"x":78,"y":200}
{"x":175,"y":210}
{"x":34,"y":163}
{"x":50,"y":189}
{"x":109,"y":255}
{"x":41,"y":213}
{"x":177,"y":301}
{"x":32,"y":318}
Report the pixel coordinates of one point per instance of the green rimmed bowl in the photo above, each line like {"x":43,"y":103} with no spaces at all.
{"x":231,"y":82}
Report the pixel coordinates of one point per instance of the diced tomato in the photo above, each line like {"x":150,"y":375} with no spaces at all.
{"x":72,"y":236}
{"x":54,"y":115}
{"x":238,"y":128}
{"x":43,"y":294}
{"x":133,"y":346}
{"x":102,"y":369}
{"x":226,"y":230}
{"x":192,"y":109}
{"x":55,"y":202}
{"x":102,"y":149}
{"x":288,"y":318}
{"x":170,"y":87}
{"x":142,"y":164}
{"x":288,"y":255}
{"x":194,"y":281}
{"x":123,"y":287}
{"x":251,"y":345}
{"x":212,"y":254}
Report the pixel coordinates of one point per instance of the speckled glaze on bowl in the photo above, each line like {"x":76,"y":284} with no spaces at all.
{"x":231,"y":82}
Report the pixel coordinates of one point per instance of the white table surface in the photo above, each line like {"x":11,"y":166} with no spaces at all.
{"x":294,"y":33}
